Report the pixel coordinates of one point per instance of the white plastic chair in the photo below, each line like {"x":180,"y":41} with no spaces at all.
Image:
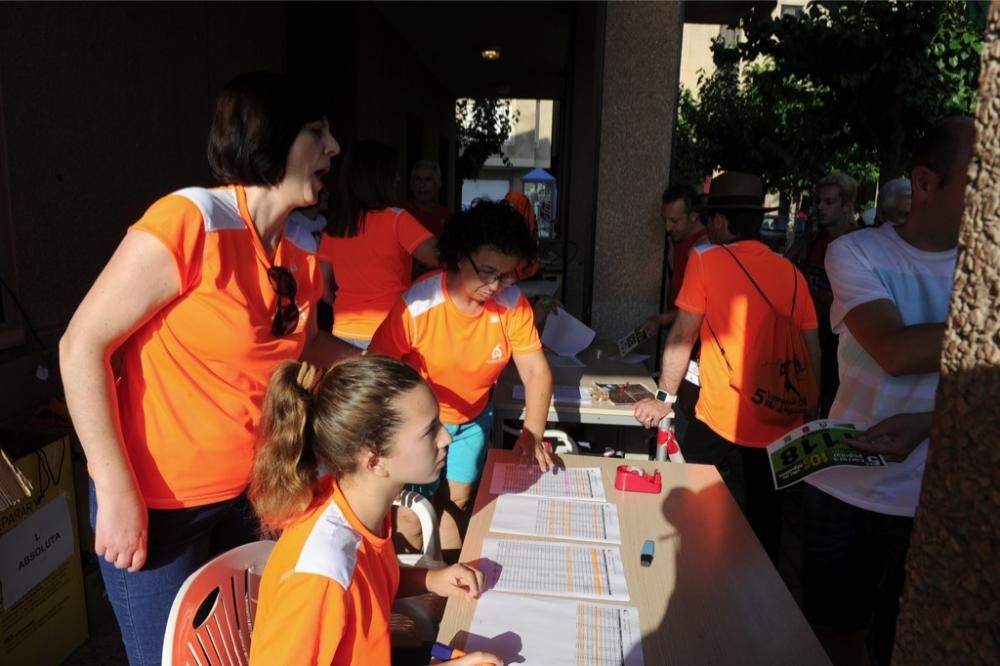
{"x":420,"y":609}
{"x":219,"y":634}
{"x":430,"y":551}
{"x":563,"y":442}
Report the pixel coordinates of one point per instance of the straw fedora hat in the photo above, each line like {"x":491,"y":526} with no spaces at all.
{"x":734,"y":190}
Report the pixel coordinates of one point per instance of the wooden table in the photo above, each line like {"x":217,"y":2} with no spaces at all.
{"x":711,"y":595}
{"x":598,"y":367}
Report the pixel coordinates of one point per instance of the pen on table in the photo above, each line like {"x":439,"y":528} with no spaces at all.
{"x":443,"y":652}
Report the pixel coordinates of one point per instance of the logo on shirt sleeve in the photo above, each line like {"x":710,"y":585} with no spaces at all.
{"x":497,"y":353}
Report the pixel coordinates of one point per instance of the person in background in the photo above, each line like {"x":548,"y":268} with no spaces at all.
{"x":835,"y":195}
{"x":894,"y":202}
{"x":721,"y":303}
{"x":370,"y":243}
{"x":892,"y":291}
{"x":682,"y":221}
{"x":327,"y":590}
{"x":522,"y":204}
{"x":205,"y":296}
{"x":459,"y":327}
{"x":425,"y":183}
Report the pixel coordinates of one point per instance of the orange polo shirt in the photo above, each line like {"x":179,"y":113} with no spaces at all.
{"x":459,"y":355}
{"x":371,"y":269}
{"x":327,"y":591}
{"x":194,"y":375}
{"x":715,"y":286}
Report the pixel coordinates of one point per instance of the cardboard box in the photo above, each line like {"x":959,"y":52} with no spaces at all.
{"x":42,"y":612}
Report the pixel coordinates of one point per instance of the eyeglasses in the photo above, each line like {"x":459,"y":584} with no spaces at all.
{"x":286,"y":317}
{"x":489,"y":277}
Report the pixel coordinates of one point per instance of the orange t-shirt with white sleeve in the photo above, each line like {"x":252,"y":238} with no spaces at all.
{"x":715,"y":286}
{"x":459,"y":355}
{"x":194,"y":375}
{"x":371,"y":269}
{"x":327,"y":591}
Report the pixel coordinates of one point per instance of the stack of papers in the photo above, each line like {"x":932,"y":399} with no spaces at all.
{"x":565,"y":504}
{"x":561,"y":395}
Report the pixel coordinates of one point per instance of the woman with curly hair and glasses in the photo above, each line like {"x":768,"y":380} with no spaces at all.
{"x":206,"y":295}
{"x":459,"y":327}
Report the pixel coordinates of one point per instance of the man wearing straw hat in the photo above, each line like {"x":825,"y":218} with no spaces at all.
{"x":731,"y":291}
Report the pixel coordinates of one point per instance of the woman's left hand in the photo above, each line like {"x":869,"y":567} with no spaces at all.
{"x":530,"y":448}
{"x":458,"y":580}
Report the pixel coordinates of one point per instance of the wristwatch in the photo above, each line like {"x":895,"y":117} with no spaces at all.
{"x":666,"y":397}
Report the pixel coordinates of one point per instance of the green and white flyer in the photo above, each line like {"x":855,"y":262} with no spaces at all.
{"x":814,"y":446}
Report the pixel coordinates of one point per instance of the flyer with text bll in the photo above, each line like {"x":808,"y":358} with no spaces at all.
{"x":814,"y":446}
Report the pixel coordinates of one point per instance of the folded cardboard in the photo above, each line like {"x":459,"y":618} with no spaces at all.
{"x":42,"y":611}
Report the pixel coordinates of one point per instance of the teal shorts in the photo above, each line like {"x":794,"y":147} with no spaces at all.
{"x":466,"y":454}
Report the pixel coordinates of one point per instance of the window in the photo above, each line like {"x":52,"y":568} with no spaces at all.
{"x":485,"y":188}
{"x":795,"y":11}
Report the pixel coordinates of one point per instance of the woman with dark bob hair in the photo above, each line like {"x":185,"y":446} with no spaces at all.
{"x":459,"y":327}
{"x":371,"y":242}
{"x":205,"y":296}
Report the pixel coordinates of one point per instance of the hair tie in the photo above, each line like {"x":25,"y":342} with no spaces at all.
{"x":309,"y":377}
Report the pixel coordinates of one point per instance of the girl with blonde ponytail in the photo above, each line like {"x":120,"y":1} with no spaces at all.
{"x":372,"y":425}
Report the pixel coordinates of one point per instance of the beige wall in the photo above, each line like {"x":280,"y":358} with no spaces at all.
{"x":641,"y":63}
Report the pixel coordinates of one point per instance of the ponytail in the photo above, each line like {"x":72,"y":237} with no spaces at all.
{"x":284,"y":468}
{"x":331,"y":419}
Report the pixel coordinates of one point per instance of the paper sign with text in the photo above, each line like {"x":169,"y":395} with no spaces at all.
{"x":814,"y":446}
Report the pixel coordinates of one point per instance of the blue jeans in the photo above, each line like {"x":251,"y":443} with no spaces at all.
{"x":180,"y":542}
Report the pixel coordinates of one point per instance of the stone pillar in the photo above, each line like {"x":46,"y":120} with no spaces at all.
{"x":639,"y":100}
{"x":950,"y":611}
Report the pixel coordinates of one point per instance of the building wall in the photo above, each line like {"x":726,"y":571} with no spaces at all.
{"x":395,"y":90}
{"x":641,"y":65}
{"x":106,"y":108}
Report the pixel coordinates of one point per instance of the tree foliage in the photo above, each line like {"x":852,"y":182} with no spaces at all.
{"x":847,"y":85}
{"x":482,"y":126}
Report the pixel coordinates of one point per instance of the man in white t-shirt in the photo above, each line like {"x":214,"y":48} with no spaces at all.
{"x":892,"y":289}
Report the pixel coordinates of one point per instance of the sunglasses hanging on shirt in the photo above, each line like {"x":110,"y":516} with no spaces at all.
{"x":286,"y":314}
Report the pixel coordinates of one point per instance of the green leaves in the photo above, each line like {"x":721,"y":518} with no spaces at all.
{"x":482,"y":126}
{"x":848,"y":86}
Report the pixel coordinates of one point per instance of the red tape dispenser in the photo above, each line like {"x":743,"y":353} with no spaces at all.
{"x":633,"y":479}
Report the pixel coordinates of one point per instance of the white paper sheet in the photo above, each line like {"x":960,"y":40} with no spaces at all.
{"x":35,"y":548}
{"x":583,"y":483}
{"x":561,"y":395}
{"x":563,"y":570}
{"x":534,"y":631}
{"x":557,"y":519}
{"x":565,"y":334}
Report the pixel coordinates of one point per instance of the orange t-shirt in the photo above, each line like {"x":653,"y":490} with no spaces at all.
{"x":327,"y":591}
{"x":460,"y":356}
{"x":715,"y":286}
{"x":371,"y":269}
{"x":194,"y":376}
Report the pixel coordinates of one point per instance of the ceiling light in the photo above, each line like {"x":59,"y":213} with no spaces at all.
{"x":490,"y":54}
